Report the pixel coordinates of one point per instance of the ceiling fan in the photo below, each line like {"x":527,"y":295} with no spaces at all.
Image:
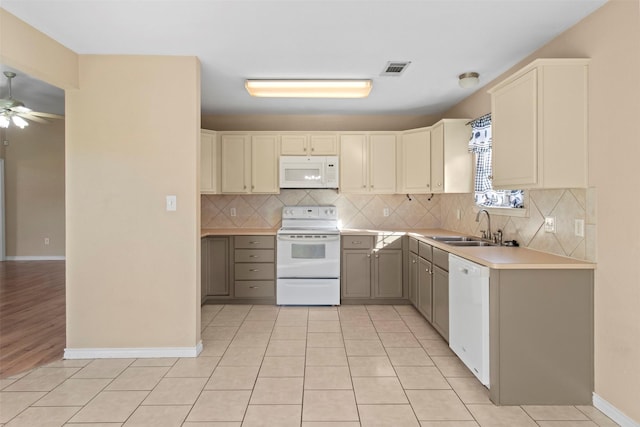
{"x":12,"y":110}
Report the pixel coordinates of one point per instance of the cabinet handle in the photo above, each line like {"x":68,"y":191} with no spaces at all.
{"x":356,"y":242}
{"x":428,"y":186}
{"x":253,"y":187}
{"x":253,"y":269}
{"x":244,"y":187}
{"x":254,"y":287}
{"x":254,"y":256}
{"x":364,"y":186}
{"x":413,"y":261}
{"x":368,"y":255}
{"x":313,"y":149}
{"x":377,"y":256}
{"x":253,"y":242}
{"x":439,"y":184}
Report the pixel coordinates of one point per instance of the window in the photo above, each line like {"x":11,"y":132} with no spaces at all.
{"x":484,"y":194}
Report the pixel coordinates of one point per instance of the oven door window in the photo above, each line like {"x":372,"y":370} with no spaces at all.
{"x":308,"y":251}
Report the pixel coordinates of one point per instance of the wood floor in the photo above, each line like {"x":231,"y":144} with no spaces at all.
{"x":32,"y":314}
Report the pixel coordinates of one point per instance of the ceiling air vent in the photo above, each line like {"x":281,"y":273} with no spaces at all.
{"x":395,"y":68}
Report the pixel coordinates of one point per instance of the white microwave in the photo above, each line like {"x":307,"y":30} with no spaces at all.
{"x":308,"y":172}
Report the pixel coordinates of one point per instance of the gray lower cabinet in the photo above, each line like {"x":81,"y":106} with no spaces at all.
{"x":441,"y":292}
{"x":413,"y":278}
{"x":254,"y":268}
{"x":372,"y":267}
{"x":440,"y":319}
{"x":429,"y":284}
{"x":425,"y":289}
{"x":214,"y":267}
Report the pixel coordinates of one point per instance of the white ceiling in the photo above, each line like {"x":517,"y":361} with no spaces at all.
{"x":238,"y":39}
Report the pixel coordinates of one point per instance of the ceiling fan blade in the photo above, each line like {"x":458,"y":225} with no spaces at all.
{"x":47,"y":115}
{"x":21,"y":109}
{"x":32,"y":117}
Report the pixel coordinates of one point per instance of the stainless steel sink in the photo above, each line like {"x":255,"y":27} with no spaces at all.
{"x":469,"y":243}
{"x":462,"y":240}
{"x":455,"y":238}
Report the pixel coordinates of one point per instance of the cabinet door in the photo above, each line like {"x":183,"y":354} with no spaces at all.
{"x":515,"y":133}
{"x":235,"y":163}
{"x":425,"y":301}
{"x":416,"y":162}
{"x":382,"y":169}
{"x":441,"y":301}
{"x":293,"y":145}
{"x":387,"y":275}
{"x":208,"y":163}
{"x":324,"y":145}
{"x":437,"y":158}
{"x":356,"y":274}
{"x":204,"y":268}
{"x":264,"y":164}
{"x":218,"y":260}
{"x":353,"y":164}
{"x":413,"y":279}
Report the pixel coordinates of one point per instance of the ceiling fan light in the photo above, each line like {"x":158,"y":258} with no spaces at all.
{"x":309,"y":88}
{"x":19,"y":121}
{"x":4,"y":122}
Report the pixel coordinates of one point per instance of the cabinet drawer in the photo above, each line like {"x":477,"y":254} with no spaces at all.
{"x":441,"y":258}
{"x":255,"y":289}
{"x":254,"y":242}
{"x":413,"y":245}
{"x":424,"y":250}
{"x":255,"y":271}
{"x":254,"y":255}
{"x":357,"y":242}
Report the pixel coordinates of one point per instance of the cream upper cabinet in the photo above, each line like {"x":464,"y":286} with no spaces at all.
{"x":209,"y":183}
{"x":368,"y":163}
{"x":539,"y":126}
{"x":451,"y":162}
{"x":308,"y":144}
{"x":323,"y":145}
{"x":354,"y":164}
{"x":382,"y":168}
{"x":264,"y":164}
{"x":415,"y":166}
{"x":249,"y":163}
{"x":235,"y":153}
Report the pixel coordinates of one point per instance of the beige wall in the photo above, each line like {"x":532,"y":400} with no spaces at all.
{"x":611,"y":38}
{"x":34,"y":186}
{"x":267,"y":122}
{"x":132,"y":267}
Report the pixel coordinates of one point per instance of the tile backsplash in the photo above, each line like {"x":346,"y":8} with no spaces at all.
{"x":420,"y":211}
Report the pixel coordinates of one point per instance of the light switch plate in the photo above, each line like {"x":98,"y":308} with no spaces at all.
{"x":550,"y":224}
{"x":171,"y":203}
{"x":579,"y":227}
{"x":385,"y":211}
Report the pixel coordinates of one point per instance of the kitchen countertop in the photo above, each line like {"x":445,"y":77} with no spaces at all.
{"x":496,"y":257}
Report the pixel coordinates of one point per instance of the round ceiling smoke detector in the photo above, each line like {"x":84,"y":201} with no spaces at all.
{"x":470,"y":79}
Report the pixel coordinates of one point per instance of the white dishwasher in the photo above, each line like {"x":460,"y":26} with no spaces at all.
{"x":469,"y":315}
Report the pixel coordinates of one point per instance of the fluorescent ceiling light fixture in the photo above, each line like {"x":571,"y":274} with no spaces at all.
{"x":309,"y":88}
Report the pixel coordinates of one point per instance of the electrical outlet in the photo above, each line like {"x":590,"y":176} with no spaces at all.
{"x":458,"y":214}
{"x":233,"y":212}
{"x":46,"y":240}
{"x":579,"y":228}
{"x":550,"y":224}
{"x":385,"y":211}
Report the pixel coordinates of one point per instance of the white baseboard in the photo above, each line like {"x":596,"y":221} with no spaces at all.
{"x":35,"y":258}
{"x":133,"y":353}
{"x":612,"y":412}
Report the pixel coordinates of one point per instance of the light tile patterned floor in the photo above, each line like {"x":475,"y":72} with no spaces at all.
{"x":279,"y":367}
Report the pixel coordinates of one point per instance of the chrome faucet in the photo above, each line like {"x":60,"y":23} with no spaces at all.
{"x":485,"y":234}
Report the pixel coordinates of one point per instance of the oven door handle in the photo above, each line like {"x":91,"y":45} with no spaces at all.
{"x":311,"y":240}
